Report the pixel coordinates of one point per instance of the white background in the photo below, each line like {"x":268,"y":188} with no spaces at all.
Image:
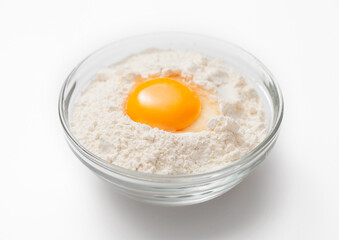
{"x":46,"y":193}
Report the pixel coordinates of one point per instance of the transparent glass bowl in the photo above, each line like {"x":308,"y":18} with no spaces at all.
{"x":174,"y":189}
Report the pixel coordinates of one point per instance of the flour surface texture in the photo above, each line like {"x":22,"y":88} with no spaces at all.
{"x":100,"y":125}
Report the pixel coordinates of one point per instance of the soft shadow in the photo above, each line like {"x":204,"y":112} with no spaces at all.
{"x":226,"y":215}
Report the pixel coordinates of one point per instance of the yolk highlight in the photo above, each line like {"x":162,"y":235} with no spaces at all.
{"x":163,"y":103}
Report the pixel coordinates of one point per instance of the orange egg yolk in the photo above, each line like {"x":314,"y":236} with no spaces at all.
{"x":164,"y":103}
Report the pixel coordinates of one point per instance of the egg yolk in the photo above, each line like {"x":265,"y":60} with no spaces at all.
{"x":164,"y":103}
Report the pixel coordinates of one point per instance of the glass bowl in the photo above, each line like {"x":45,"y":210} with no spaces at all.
{"x":174,"y":189}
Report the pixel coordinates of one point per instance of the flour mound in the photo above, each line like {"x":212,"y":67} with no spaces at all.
{"x":99,"y":124}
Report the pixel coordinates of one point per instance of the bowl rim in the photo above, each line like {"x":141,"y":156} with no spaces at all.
{"x":135,"y":174}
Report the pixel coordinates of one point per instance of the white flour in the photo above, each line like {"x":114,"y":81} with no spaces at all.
{"x":99,"y":123}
